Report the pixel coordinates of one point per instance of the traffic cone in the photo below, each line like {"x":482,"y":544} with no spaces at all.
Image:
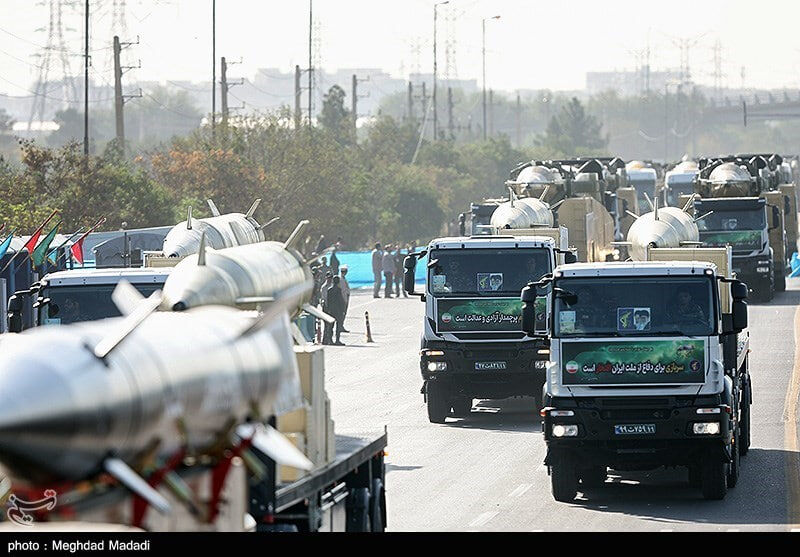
{"x":369,"y":331}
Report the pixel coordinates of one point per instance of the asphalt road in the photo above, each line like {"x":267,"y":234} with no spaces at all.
{"x":485,"y":472}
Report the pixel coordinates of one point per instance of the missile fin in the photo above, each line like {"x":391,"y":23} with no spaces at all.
{"x":701,"y":217}
{"x":689,"y":203}
{"x":128,"y":325}
{"x":544,"y":193}
{"x":189,"y":218}
{"x":272,"y":221}
{"x":133,"y":481}
{"x":275,"y":445}
{"x":278,"y":307}
{"x":650,"y":202}
{"x":252,"y":210}
{"x":318,"y":313}
{"x":213,"y":206}
{"x":295,"y":236}
{"x":201,"y":251}
{"x":557,"y":205}
{"x":254,"y":300}
{"x":126,"y":297}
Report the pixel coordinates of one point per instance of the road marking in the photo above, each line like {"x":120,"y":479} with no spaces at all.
{"x":520,"y":491}
{"x":482,"y":519}
{"x":790,"y":416}
{"x":733,"y":530}
{"x":666,"y":530}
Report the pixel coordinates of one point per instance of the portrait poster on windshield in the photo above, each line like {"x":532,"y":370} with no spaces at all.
{"x":633,"y":362}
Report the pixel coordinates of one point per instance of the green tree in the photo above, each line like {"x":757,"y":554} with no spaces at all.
{"x":335,"y":118}
{"x":574,"y":131}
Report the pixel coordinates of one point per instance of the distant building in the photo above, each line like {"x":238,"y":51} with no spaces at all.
{"x":629,"y":83}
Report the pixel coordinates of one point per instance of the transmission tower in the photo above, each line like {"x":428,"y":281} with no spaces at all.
{"x":317,"y":77}
{"x":718,"y":75}
{"x":450,"y":66}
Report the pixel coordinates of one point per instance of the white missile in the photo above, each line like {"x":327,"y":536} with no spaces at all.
{"x":140,"y":389}
{"x":667,"y":227}
{"x":523,"y":213}
{"x":221,"y":231}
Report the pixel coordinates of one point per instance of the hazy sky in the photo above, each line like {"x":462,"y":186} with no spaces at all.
{"x":535,"y":44}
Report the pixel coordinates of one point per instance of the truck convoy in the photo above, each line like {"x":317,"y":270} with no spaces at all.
{"x":472,"y":343}
{"x":647,"y":367}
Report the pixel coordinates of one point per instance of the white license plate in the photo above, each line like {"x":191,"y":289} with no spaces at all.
{"x":487,"y":366}
{"x":635,"y":429}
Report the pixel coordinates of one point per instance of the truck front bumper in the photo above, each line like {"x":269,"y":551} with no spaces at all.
{"x":631,"y":434}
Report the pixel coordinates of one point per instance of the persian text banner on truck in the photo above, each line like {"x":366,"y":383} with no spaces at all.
{"x":480,"y":315}
{"x":636,"y":362}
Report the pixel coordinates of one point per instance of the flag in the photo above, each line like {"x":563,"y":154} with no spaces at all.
{"x":40,"y":252}
{"x":77,"y":247}
{"x":6,"y":244}
{"x":31,"y":243}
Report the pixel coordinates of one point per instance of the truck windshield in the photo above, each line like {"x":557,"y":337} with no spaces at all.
{"x":76,"y":304}
{"x":643,"y":187}
{"x":485,"y":272}
{"x":622,"y":307}
{"x":740,"y":229}
{"x":679,"y":184}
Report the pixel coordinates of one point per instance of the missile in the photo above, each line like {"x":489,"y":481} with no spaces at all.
{"x":528,"y":212}
{"x":129,"y":392}
{"x":729,"y":180}
{"x":245,"y":277}
{"x":667,"y":227}
{"x":221,"y":231}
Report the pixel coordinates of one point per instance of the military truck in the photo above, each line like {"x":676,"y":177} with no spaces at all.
{"x":472,"y":343}
{"x":679,"y":181}
{"x":648,"y":367}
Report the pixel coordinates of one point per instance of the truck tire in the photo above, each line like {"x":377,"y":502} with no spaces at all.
{"x":744,"y":421}
{"x":594,"y":476}
{"x":780,"y":282}
{"x":358,"y":510}
{"x":438,"y":405}
{"x":564,"y":481}
{"x":714,"y":482}
{"x":696,"y":476}
{"x":733,"y":468}
{"x":377,"y":506}
{"x":462,"y":406}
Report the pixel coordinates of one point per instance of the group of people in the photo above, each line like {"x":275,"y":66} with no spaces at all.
{"x":387,"y":266}
{"x":333,"y":296}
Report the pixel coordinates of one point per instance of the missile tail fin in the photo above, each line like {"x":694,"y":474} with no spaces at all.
{"x":189,"y":218}
{"x":278,"y":307}
{"x":271,"y":222}
{"x":544,"y":193}
{"x":649,"y":202}
{"x":201,"y":251}
{"x":275,"y":445}
{"x":689,"y":203}
{"x":252,"y":210}
{"x":128,"y":325}
{"x":701,"y":217}
{"x":557,"y":205}
{"x":294,"y":237}
{"x":133,"y":481}
{"x":126,"y":297}
{"x":632,"y":214}
{"x":213,"y":206}
{"x":318,"y":313}
{"x":655,"y":208}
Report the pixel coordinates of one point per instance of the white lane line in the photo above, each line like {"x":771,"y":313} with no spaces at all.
{"x":482,"y":519}
{"x":733,"y":530}
{"x":520,"y":491}
{"x":667,"y":530}
{"x":795,"y":530}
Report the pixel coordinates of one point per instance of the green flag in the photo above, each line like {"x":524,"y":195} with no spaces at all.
{"x":40,"y":252}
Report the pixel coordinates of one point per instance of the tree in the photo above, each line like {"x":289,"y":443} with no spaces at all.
{"x":335,"y":118}
{"x":574,"y":132}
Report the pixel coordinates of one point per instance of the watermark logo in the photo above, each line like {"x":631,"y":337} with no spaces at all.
{"x":18,"y":509}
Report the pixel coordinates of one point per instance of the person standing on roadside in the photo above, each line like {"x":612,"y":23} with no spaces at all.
{"x":398,"y":272}
{"x":327,"y":332}
{"x":345,"y":292}
{"x":377,"y":268}
{"x":336,"y":309}
{"x":388,"y":270}
{"x":334,"y":259}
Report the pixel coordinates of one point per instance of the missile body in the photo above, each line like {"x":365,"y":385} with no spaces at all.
{"x":729,"y":180}
{"x":223,"y":231}
{"x":667,"y":227}
{"x":178,"y":380}
{"x":241,"y":276}
{"x":528,"y":212}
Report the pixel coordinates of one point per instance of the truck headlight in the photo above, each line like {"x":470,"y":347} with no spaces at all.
{"x":437,"y":366}
{"x":560,"y":430}
{"x":762,"y":269}
{"x":706,"y":428}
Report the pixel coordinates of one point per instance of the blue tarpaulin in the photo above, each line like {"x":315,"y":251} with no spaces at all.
{"x":359,"y":268}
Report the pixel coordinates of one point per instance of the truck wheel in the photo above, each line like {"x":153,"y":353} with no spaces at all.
{"x":594,"y":476}
{"x":462,"y":406}
{"x":563,"y":481}
{"x":714,"y":481}
{"x":733,"y":468}
{"x":377,"y":503}
{"x":780,"y":282}
{"x":438,"y":406}
{"x":744,"y":422}
{"x":358,"y":510}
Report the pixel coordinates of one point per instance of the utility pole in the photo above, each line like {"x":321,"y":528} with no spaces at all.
{"x":225,"y":87}
{"x":450,"y":124}
{"x":298,"y":116}
{"x":213,"y":65}
{"x":310,"y":61}
{"x":519,"y":121}
{"x":483,"y":57}
{"x":355,"y":104}
{"x":119,"y":97}
{"x":86,"y":82}
{"x":424,"y":100}
{"x":435,"y":66}
{"x":410,"y":101}
{"x":491,"y":113}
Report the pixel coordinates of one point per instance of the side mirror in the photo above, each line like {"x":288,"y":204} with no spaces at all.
{"x":15,"y":303}
{"x":739,"y":291}
{"x":570,"y":258}
{"x":409,"y":272}
{"x":529,"y":309}
{"x":739,"y":315}
{"x":52,"y":309}
{"x":776,"y":218}
{"x":462,"y":224}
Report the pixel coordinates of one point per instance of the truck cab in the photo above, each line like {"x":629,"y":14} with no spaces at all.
{"x":81,"y":295}
{"x":647,"y":368}
{"x":472,"y":343}
{"x":744,"y":223}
